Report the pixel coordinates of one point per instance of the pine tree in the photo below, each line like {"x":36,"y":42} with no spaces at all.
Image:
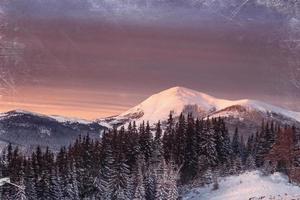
{"x":43,"y":186}
{"x":140,"y":191}
{"x":223,"y":143}
{"x":20,"y":193}
{"x":87,"y":180}
{"x":72,"y":185}
{"x":208,"y":176}
{"x":250,"y":163}
{"x":157,"y":152}
{"x":250,"y":146}
{"x":121,"y":180}
{"x":243,"y":150}
{"x":265,"y":143}
{"x":169,"y":139}
{"x":145,"y":142}
{"x":19,"y":189}
{"x":161,"y":188}
{"x":150,"y":183}
{"x":208,"y":145}
{"x":190,"y":165}
{"x":130,"y":142}
{"x":237,"y":165}
{"x":235,"y":144}
{"x":171,"y":182}
{"x":104,"y":180}
{"x":179,"y":138}
{"x":54,"y":186}
{"x":29,"y":182}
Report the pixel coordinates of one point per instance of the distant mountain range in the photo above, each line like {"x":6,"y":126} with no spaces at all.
{"x":28,"y":130}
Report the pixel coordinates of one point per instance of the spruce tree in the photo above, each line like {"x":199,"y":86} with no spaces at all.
{"x":29,"y":182}
{"x":150,"y":183}
{"x":265,"y":142}
{"x":145,"y":142}
{"x":157,"y":152}
{"x":169,"y":139}
{"x":243,"y":150}
{"x":55,"y":192}
{"x":190,"y":164}
{"x":223,"y":143}
{"x":208,"y":145}
{"x":235,"y":144}
{"x":104,"y":180}
{"x":250,"y":163}
{"x":121,"y":179}
{"x":140,"y":191}
{"x":171,"y":182}
{"x":179,"y":138}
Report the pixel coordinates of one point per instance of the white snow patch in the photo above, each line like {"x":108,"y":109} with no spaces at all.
{"x":246,"y":186}
{"x":68,"y":119}
{"x":44,"y":131}
{"x":4,"y":180}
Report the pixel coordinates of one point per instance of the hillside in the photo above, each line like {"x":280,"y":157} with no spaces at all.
{"x":250,"y":185}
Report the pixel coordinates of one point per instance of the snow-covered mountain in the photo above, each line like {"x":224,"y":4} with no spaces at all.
{"x":29,"y":130}
{"x":179,"y":100}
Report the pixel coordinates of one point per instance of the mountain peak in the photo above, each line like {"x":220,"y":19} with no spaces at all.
{"x":175,"y":100}
{"x":177,"y":89}
{"x":184,"y":92}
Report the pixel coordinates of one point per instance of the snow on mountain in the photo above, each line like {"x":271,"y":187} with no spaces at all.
{"x":58,"y":118}
{"x":179,"y":99}
{"x":29,"y":130}
{"x":175,"y":100}
{"x":252,"y":106}
{"x":250,"y":185}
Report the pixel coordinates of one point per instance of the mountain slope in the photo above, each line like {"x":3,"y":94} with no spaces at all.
{"x":180,"y":99}
{"x":175,"y":100}
{"x":29,"y":130}
{"x":246,"y":114}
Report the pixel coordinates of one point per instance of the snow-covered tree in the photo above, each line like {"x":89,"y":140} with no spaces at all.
{"x":208,"y":146}
{"x":235,"y":144}
{"x":104,"y":180}
{"x":250,"y":163}
{"x":55,"y":192}
{"x":169,"y":139}
{"x":72,"y":188}
{"x":191,"y":155}
{"x":171,"y":182}
{"x":29,"y":182}
{"x":150,"y":183}
{"x":140,"y":191}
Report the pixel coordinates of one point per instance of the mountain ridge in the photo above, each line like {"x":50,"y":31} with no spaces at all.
{"x":177,"y":99}
{"x":245,"y":114}
{"x":28,"y":129}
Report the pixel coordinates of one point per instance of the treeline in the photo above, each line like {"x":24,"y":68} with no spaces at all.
{"x":135,"y":163}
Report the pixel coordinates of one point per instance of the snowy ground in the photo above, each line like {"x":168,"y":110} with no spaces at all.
{"x":250,"y":185}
